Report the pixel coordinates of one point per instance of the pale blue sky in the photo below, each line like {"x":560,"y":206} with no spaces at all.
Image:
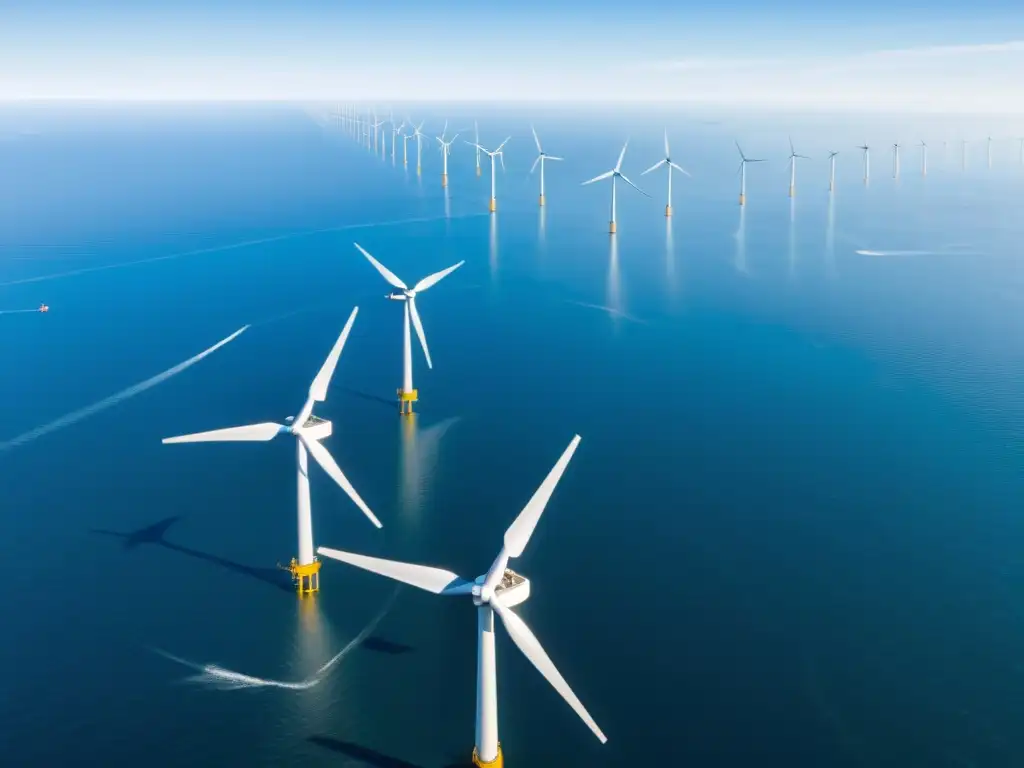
{"x":792,"y":53}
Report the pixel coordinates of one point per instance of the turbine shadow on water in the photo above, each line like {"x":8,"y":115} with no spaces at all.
{"x":372,"y":757}
{"x":154,"y":535}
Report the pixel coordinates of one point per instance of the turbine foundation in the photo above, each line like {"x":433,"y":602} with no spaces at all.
{"x":419,"y":170}
{"x":478,"y":170}
{"x":406,"y":399}
{"x":542,"y":201}
{"x":444,"y":179}
{"x":611,"y":227}
{"x":792,"y":191}
{"x":668,"y":210}
{"x":743,"y":199}
{"x":497,"y":762}
{"x":306,"y":577}
{"x":493,"y":206}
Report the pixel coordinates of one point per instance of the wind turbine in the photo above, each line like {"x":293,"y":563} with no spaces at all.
{"x":476,"y":140}
{"x":989,"y":151}
{"x":867,"y":162}
{"x":395,"y":131}
{"x":419,"y":148}
{"x":493,"y":206}
{"x":792,"y":168}
{"x":446,"y":149}
{"x":615,"y":174}
{"x":497,"y":591}
{"x":924,"y":158}
{"x":895,"y":161}
{"x":308,"y":431}
{"x":376,"y":127}
{"x":832,"y":171}
{"x":407,"y":395}
{"x":667,"y":161}
{"x":406,"y":138}
{"x":743,"y":172}
{"x":541,"y":157}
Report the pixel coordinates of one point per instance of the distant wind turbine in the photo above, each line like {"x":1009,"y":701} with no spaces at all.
{"x":395,"y":131}
{"x":668,"y":162}
{"x":792,"y":168}
{"x":446,"y":149}
{"x":832,"y":171}
{"x":867,"y":162}
{"x":376,"y":128}
{"x":924,"y":158}
{"x":418,"y":135}
{"x":614,"y":174}
{"x":406,"y":138}
{"x":493,"y":205}
{"x":895,"y":161}
{"x":989,"y":151}
{"x":743,"y":172}
{"x":476,"y":143}
{"x":542,"y":156}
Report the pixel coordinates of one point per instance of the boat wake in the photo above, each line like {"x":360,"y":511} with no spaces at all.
{"x":609,"y":310}
{"x":217,"y":677}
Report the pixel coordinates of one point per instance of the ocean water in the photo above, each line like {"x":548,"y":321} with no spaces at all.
{"x":790,"y":534}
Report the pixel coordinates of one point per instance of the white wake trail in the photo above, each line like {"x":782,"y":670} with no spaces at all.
{"x":75,"y":416}
{"x":215,"y":676}
{"x":236,"y":246}
{"x":16,"y":311}
{"x":610,"y":310}
{"x":915,"y":253}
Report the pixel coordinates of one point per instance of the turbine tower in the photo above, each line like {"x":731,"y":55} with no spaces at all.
{"x":407,"y":395}
{"x":446,"y":149}
{"x":832,"y":171}
{"x":924,"y":158}
{"x":792,"y":168}
{"x":743,"y":172}
{"x":495,"y":592}
{"x":667,"y":161}
{"x":395,"y":131}
{"x":308,"y":431}
{"x":895,"y":161}
{"x":476,"y":140}
{"x":493,"y":206}
{"x":376,"y":134}
{"x":614,"y":174}
{"x":542,"y":156}
{"x":989,"y":152}
{"x":406,"y":138}
{"x":867,"y":162}
{"x":418,"y":135}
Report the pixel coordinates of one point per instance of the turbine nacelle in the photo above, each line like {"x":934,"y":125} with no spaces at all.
{"x":397,"y":296}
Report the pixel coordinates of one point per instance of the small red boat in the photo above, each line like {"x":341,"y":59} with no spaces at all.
{"x":44,"y":308}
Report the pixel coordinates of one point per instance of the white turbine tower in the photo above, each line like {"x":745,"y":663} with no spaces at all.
{"x":614,"y":174}
{"x":832,"y":171}
{"x":743,"y":172}
{"x":542,"y":156}
{"x":867,"y":162}
{"x":493,"y":205}
{"x":376,"y":132}
{"x":308,"y":431}
{"x":418,"y":135}
{"x":446,"y":149}
{"x":989,"y":152}
{"x":792,"y":168}
{"x":895,"y":161}
{"x":667,"y":161}
{"x":407,"y":395}
{"x":924,"y":158}
{"x":395,"y":131}
{"x":406,"y":138}
{"x":476,"y":143}
{"x":497,"y":591}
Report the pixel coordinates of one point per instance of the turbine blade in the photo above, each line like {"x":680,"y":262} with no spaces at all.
{"x":622,"y":154}
{"x":634,"y":186}
{"x":681,"y":170}
{"x":435,"y":278}
{"x":667,"y":152}
{"x":654,"y":167}
{"x":598,"y":178}
{"x":534,"y":166}
{"x":503,"y":144}
{"x":436,"y":580}
{"x":740,"y":150}
{"x":268,"y":430}
{"x":552,"y":157}
{"x":318,"y":389}
{"x":527,"y":642}
{"x":518,"y":534}
{"x":327,"y":463}
{"x":418,"y":325}
{"x":385,"y":272}
{"x":535,"y":139}
{"x":501,"y":157}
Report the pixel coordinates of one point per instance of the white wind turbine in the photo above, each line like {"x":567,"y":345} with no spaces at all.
{"x":395,"y":131}
{"x":743,"y":172}
{"x":832,"y":171}
{"x":542,"y":156}
{"x":446,"y":149}
{"x":867,"y":162}
{"x":418,"y":135}
{"x":924,"y":158}
{"x":497,"y":591}
{"x":614,"y":174}
{"x":493,"y":206}
{"x":668,"y":162}
{"x":989,"y":152}
{"x":308,"y":431}
{"x":792,"y":168}
{"x":406,"y":138}
{"x":407,"y":395}
{"x":376,"y":132}
{"x":895,"y":161}
{"x":476,"y":143}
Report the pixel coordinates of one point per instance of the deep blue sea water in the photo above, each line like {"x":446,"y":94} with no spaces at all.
{"x":790,"y":535}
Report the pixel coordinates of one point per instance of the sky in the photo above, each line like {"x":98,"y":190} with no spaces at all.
{"x":940,"y":56}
